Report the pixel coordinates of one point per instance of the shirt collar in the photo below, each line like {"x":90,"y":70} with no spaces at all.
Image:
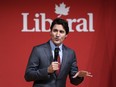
{"x":53,"y":46}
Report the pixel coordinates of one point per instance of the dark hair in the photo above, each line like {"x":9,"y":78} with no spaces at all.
{"x":63,"y":22}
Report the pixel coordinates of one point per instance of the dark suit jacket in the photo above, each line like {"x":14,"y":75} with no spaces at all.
{"x":41,"y":57}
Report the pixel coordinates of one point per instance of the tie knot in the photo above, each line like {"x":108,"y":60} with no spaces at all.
{"x":57,"y":50}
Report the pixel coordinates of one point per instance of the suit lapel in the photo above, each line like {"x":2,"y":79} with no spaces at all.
{"x":48,"y":52}
{"x":64,"y":61}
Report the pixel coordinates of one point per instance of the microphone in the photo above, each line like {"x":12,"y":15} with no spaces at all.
{"x":56,"y":58}
{"x":56,"y":53}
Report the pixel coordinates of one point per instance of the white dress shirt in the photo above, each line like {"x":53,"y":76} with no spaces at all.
{"x":53,"y":48}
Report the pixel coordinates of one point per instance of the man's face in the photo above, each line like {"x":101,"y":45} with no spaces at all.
{"x":58,"y":34}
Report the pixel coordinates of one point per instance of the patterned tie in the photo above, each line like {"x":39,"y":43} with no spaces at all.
{"x":57,"y":58}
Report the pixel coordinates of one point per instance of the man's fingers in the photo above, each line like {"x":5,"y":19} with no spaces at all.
{"x":89,"y":74}
{"x":55,"y":65}
{"x":83,"y":74}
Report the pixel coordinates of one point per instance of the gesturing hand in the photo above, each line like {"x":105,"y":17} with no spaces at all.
{"x":82,"y":73}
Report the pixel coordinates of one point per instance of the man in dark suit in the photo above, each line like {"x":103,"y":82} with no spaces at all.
{"x":49,"y":68}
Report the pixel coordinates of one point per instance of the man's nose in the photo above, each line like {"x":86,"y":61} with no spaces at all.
{"x":58,"y":34}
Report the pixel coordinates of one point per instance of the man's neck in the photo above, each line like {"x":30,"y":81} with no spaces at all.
{"x":54,"y":46}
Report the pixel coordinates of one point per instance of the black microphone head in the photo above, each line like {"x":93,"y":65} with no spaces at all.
{"x":56,"y":53}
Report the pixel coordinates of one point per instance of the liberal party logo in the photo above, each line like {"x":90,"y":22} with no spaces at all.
{"x":61,"y":9}
{"x":82,"y":24}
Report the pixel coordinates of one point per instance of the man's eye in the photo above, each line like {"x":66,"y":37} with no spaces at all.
{"x":61,"y":31}
{"x":54,"y":30}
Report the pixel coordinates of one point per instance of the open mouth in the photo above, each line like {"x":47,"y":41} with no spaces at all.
{"x":57,"y":39}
